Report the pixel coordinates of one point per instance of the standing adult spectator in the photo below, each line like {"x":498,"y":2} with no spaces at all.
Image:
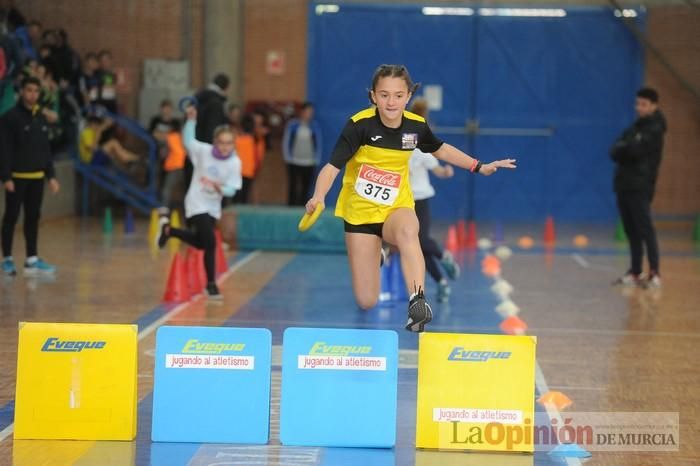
{"x":10,"y":15}
{"x":12,"y":55}
{"x":301,"y":148}
{"x":25,"y":164}
{"x":211,"y":113}
{"x":211,"y":107}
{"x":30,"y":38}
{"x":637,"y":156}
{"x":67,"y":61}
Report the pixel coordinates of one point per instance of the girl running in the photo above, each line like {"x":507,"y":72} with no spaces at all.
{"x":375,"y":200}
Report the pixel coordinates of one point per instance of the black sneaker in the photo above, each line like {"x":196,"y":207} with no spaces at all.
{"x":213,"y":293}
{"x":419,"y":313}
{"x":163,"y":232}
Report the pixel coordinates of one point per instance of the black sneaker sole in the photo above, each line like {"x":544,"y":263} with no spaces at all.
{"x":162,"y":238}
{"x":419,"y":326}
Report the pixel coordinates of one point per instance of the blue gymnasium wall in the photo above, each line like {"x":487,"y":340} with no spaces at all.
{"x":570,"y":79}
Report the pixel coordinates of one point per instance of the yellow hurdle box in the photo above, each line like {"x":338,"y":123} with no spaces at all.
{"x":76,"y":381}
{"x":475,"y":392}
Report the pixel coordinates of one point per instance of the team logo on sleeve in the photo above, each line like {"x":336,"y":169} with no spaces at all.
{"x":409,"y":140}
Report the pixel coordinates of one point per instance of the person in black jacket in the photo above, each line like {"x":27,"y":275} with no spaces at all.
{"x":25,"y":162}
{"x":211,"y":113}
{"x":211,"y":108}
{"x":637,"y":156}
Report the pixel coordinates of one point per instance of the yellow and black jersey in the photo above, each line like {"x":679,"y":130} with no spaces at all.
{"x":376,"y":158}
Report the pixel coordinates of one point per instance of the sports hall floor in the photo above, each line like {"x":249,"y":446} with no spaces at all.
{"x":608,"y":349}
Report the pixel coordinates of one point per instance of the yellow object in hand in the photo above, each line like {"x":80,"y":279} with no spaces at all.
{"x":308,"y":220}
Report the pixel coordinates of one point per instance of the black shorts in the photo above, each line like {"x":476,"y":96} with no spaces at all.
{"x":367,"y":228}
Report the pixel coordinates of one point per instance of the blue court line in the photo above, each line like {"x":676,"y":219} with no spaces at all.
{"x":7,"y":412}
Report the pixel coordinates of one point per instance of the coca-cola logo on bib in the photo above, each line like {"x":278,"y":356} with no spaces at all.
{"x":380,"y":176}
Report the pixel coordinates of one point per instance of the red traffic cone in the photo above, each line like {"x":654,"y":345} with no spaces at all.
{"x":221,"y":263}
{"x":550,"y":236}
{"x":193,"y":261}
{"x":452,"y":241}
{"x":177,"y":289}
{"x":470,"y":242}
{"x":462,"y":234}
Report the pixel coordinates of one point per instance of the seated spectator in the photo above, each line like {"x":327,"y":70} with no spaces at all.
{"x":30,"y":67}
{"x":47,"y":56}
{"x":49,"y":88}
{"x":92,"y":139}
{"x":89,"y":83}
{"x":107,"y":94}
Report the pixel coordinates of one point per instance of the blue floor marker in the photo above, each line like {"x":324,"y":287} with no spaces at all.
{"x":339,"y":387}
{"x":212,"y":385}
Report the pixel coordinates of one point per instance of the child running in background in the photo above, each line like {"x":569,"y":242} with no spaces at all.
{"x":420,"y":166}
{"x":217,"y":173}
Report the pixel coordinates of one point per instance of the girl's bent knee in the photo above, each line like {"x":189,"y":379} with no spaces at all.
{"x":366,"y":302}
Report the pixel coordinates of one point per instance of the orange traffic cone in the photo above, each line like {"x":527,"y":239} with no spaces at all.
{"x":491,"y":269}
{"x":555,"y":398}
{"x":490,"y":261}
{"x":513,"y":325}
{"x":452,"y":241}
{"x":177,"y":289}
{"x":550,"y":236}
{"x":221,"y":263}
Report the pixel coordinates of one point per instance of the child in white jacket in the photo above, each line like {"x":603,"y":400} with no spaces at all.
{"x":217,"y":173}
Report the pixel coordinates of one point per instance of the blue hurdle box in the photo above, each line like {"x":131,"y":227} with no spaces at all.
{"x":212,"y":385}
{"x":339,"y":388}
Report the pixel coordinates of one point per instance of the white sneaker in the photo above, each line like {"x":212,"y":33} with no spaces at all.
{"x":654,"y":282}
{"x":628,"y":280}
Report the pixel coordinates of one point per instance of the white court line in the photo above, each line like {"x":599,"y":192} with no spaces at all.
{"x":181,"y":307}
{"x":552,"y":410}
{"x":7,"y":431}
{"x":543,"y":387}
{"x":580,"y":260}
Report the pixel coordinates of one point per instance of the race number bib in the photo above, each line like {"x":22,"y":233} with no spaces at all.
{"x":377,"y":185}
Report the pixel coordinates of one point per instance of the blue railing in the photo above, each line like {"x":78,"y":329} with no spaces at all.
{"x":115,"y":180}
